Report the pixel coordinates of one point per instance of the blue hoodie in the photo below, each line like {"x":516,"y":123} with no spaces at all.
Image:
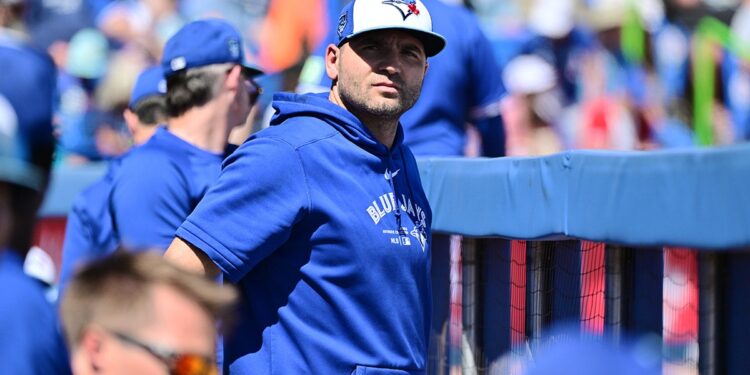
{"x":335,"y":274}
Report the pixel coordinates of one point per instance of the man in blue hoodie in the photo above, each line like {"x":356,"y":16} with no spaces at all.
{"x":321,"y":218}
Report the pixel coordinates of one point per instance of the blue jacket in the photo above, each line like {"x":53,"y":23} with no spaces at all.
{"x":31,"y":342}
{"x":327,"y":233}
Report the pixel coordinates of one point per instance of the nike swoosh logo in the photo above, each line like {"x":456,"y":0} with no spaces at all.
{"x":388,"y":175}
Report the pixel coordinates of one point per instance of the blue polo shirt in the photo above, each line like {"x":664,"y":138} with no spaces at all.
{"x":155,"y":188}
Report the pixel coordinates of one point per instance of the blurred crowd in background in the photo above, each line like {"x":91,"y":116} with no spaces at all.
{"x":614,"y":74}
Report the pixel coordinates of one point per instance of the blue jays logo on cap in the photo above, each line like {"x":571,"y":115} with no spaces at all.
{"x":361,"y":16}
{"x":342,"y":23}
{"x":411,"y":7}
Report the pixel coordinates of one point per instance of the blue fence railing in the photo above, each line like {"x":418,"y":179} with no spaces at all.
{"x":634,"y":203}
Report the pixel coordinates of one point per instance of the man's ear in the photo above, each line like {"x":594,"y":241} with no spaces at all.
{"x":131,"y":120}
{"x":331,"y":60}
{"x":88,"y":356}
{"x":232,"y":80}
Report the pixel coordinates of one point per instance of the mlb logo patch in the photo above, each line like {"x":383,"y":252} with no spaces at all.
{"x":405,"y":241}
{"x":234,"y":48}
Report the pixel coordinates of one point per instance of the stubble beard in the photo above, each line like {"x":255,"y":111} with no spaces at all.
{"x":358,"y":102}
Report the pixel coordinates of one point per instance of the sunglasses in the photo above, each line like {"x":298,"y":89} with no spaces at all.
{"x":253,"y":88}
{"x":177,"y":363}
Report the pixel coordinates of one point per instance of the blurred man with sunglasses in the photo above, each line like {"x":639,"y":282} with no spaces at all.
{"x":210,"y":91}
{"x":134,"y":313}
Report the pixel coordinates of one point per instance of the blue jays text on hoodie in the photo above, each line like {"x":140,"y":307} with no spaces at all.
{"x":155,"y":188}
{"x":327,"y":233}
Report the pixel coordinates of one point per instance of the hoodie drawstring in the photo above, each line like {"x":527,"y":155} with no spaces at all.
{"x":391,"y":177}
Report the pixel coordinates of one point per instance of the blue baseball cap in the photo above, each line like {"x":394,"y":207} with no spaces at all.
{"x":205,"y":42}
{"x":27,"y":92}
{"x":149,"y":83}
{"x":361,"y":16}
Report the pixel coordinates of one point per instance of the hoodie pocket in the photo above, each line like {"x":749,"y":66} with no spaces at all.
{"x":367,"y":370}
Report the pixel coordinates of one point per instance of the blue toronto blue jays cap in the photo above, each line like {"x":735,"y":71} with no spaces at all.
{"x":361,"y":16}
{"x":205,"y":42}
{"x":27,"y":92}
{"x":149,"y":83}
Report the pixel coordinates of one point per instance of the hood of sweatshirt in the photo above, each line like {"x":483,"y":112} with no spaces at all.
{"x":289,"y":105}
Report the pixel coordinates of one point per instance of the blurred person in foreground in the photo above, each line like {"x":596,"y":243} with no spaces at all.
{"x":210,"y":91}
{"x":327,"y":207}
{"x":462,"y":90}
{"x":30,"y":342}
{"x":567,"y":350}
{"x":89,"y":231}
{"x":137,"y":314}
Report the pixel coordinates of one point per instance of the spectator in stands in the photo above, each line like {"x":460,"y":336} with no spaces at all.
{"x":532,"y":108}
{"x":89,"y":233}
{"x":138,"y":314}
{"x":555,"y":36}
{"x":82,"y":63}
{"x":141,"y":24}
{"x":463,"y":86}
{"x":30,"y":342}
{"x":210,"y":90}
{"x":603,"y":117}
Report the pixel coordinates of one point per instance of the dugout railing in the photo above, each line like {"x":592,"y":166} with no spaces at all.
{"x":645,"y":245}
{"x":641,"y":244}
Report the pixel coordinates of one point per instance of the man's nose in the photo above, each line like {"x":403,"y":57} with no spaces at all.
{"x":390,"y":61}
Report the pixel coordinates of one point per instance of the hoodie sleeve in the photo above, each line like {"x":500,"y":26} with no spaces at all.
{"x":251,"y":210}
